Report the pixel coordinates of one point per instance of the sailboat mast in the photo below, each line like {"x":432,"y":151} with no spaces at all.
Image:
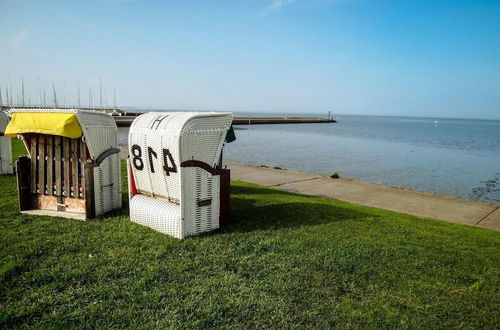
{"x":55,"y":97}
{"x":100,"y":92}
{"x":22,"y":90}
{"x":39,"y":92}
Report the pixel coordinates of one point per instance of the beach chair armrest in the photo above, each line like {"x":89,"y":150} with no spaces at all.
{"x":104,"y":155}
{"x":202,"y":165}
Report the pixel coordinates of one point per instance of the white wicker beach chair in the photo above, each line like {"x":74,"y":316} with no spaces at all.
{"x":73,"y":169}
{"x":175,"y":172}
{"x":5,"y":147}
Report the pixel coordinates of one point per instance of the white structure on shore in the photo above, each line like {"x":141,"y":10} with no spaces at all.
{"x":176,"y":181}
{"x":5,"y":147}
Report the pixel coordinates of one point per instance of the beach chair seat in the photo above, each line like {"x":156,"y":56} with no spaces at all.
{"x":152,"y":212}
{"x":176,"y":179}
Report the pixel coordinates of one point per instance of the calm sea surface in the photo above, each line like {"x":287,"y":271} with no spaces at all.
{"x":456,"y":157}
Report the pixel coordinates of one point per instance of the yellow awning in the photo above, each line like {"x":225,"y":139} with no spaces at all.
{"x":62,"y":124}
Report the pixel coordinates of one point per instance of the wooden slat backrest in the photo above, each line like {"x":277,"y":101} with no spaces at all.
{"x":83,"y":160}
{"x":66,"y":167}
{"x":49,"y":143}
{"x":34,"y":163}
{"x":74,"y":168}
{"x":41,"y":164}
{"x":57,"y":165}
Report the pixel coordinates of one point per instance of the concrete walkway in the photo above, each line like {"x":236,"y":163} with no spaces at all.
{"x":421,"y":204}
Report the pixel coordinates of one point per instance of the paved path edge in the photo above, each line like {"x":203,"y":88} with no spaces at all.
{"x":421,"y":204}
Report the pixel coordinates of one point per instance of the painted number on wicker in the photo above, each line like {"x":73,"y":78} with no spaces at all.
{"x":167,"y":157}
{"x":169,"y":165}
{"x":137,"y":157}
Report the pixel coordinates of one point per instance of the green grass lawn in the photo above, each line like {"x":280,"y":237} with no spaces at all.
{"x":284,"y":261}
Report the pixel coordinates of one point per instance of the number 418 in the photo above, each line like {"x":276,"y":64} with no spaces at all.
{"x":139,"y":163}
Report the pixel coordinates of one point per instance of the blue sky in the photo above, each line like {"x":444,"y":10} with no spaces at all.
{"x":411,"y":58}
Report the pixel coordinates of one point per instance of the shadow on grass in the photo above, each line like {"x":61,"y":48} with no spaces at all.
{"x":252,"y":208}
{"x":123,"y":211}
{"x":249,"y":213}
{"x":257,"y":190}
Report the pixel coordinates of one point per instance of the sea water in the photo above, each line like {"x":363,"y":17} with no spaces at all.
{"x":457,"y":157}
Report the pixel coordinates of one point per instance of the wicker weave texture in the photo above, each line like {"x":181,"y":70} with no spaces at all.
{"x":147,"y":149}
{"x":5,"y":147}
{"x":107,"y":185}
{"x":199,"y":185}
{"x":157,"y":214}
{"x":158,"y":144}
